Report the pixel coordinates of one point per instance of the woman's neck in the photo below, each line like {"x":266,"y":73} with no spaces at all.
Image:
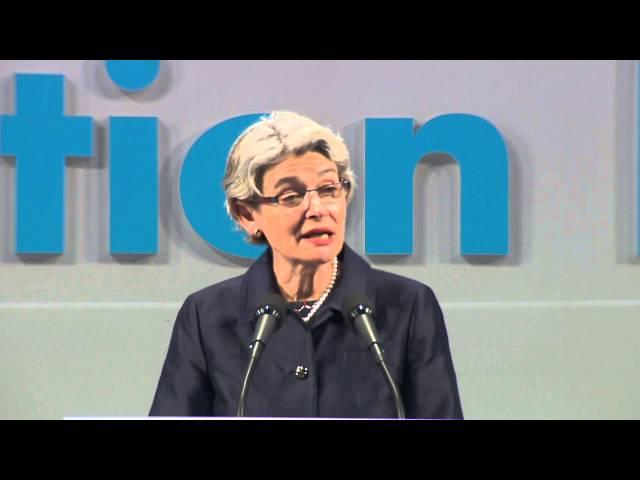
{"x":301,"y":281}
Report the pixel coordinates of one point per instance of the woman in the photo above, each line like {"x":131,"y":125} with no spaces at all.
{"x":287,"y":185}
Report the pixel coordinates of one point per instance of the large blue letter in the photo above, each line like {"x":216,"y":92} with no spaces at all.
{"x":201,"y":187}
{"x":133,"y":75}
{"x":40,"y":136}
{"x":392,"y":152}
{"x":133,"y":168}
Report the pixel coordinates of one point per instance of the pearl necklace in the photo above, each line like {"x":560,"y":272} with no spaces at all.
{"x":326,"y":293}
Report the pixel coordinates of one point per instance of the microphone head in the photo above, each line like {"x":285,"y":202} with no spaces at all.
{"x":273,"y":304}
{"x":355,"y":304}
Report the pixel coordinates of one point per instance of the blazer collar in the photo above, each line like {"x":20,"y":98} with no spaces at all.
{"x":260,"y":280}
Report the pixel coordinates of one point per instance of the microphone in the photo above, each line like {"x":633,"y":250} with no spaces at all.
{"x":269,"y":318}
{"x":359,"y":313}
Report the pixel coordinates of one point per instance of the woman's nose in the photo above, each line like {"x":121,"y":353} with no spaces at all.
{"x":315,"y":207}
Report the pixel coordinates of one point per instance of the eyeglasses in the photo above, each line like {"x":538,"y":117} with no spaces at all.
{"x":328,"y":194}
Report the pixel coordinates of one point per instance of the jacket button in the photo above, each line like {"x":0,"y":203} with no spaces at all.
{"x":302,"y":372}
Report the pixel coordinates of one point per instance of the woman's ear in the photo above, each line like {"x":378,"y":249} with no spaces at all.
{"x":245,"y":216}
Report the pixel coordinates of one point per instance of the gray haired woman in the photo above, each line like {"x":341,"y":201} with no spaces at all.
{"x":288,"y":184}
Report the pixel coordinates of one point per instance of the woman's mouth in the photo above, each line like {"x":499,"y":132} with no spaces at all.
{"x":318,"y":237}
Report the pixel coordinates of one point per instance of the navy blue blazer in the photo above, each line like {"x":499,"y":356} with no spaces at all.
{"x":208,"y":352}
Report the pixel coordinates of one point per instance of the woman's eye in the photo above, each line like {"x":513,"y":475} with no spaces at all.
{"x":329,"y":190}
{"x":289,"y":197}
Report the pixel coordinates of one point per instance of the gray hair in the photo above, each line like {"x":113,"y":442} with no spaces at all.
{"x":267,"y":143}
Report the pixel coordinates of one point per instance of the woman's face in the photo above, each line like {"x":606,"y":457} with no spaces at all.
{"x":312,"y":232}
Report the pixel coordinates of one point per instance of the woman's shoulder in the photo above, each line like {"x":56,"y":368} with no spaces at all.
{"x":394,"y":286}
{"x":219,"y":294}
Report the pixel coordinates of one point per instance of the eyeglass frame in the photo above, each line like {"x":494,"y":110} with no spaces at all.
{"x":344,"y":185}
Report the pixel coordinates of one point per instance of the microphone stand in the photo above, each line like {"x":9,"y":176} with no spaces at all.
{"x":256,"y":351}
{"x":377,"y":351}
